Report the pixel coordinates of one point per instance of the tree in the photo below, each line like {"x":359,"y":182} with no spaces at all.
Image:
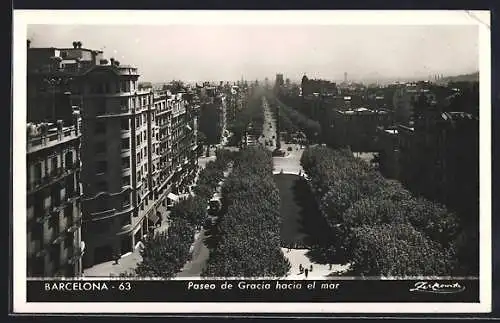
{"x":164,"y":253}
{"x":193,"y":210}
{"x":399,"y":250}
{"x":202,"y":140}
{"x":248,"y":244}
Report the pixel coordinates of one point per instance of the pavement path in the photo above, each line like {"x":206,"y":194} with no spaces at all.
{"x":320,"y":271}
{"x":199,"y":257}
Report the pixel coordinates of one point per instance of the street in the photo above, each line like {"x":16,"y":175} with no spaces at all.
{"x":298,"y":224}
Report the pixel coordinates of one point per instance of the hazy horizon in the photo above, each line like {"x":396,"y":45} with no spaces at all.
{"x":213,"y":53}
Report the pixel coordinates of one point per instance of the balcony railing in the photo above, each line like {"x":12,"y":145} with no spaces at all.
{"x":53,"y":176}
{"x":36,"y":143}
{"x":74,"y":225}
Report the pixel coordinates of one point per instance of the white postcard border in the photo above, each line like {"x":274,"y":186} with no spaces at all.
{"x":22,"y":18}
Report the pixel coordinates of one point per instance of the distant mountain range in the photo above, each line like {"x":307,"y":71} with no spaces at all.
{"x":473,"y":77}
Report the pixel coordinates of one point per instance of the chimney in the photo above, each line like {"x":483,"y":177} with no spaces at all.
{"x":59,"y":125}
{"x":76,"y":120}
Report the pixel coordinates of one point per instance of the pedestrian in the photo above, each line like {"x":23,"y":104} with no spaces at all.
{"x":301,"y":269}
{"x":117,"y":258}
{"x":330,"y":266}
{"x":311,"y":268}
{"x":306,"y":272}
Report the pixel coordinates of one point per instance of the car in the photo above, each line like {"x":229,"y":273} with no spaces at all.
{"x":289,"y":149}
{"x":278,"y":153}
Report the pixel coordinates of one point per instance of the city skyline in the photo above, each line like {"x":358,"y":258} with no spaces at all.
{"x":365,"y":53}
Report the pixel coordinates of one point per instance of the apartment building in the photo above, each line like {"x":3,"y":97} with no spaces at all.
{"x":176,"y":149}
{"x":54,"y":243}
{"x":137,"y":148}
{"x":213,"y":115}
{"x":357,"y":128}
{"x":118,"y":126}
{"x":117,"y":141}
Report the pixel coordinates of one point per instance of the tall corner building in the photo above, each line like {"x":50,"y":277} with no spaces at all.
{"x":117,"y":158}
{"x":136,"y":155}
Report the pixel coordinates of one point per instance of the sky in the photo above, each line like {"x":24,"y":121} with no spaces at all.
{"x":231,"y":52}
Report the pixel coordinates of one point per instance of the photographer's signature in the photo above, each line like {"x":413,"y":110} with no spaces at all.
{"x":437,"y":287}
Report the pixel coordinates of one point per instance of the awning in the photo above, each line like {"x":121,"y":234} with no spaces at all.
{"x":153,"y":218}
{"x":173,"y":197}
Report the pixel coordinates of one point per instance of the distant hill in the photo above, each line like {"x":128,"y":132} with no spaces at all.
{"x":473,"y":77}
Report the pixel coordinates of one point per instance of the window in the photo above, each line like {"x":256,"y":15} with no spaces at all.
{"x":125,"y":162}
{"x":55,"y":255}
{"x":102,"y":186}
{"x":144,"y":135}
{"x":138,"y":139}
{"x":53,"y":165}
{"x":126,"y":201}
{"x":68,"y":212}
{"x":137,"y":122}
{"x":55,"y":195}
{"x":101,"y":166}
{"x":138,"y":157}
{"x":126,"y":180}
{"x":100,"y":147}
{"x":38,"y":172}
{"x":125,"y":144}
{"x":125,"y":124}
{"x":68,"y":241}
{"x":101,"y":107}
{"x":125,"y":220}
{"x":100,"y":127}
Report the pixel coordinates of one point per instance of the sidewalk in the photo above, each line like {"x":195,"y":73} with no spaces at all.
{"x":320,"y":271}
{"x":127,"y":264}
{"x":200,"y":254}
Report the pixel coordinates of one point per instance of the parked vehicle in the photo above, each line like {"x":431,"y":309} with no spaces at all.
{"x":278,"y":153}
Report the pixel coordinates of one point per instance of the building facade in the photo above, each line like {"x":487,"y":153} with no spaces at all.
{"x":117,"y":156}
{"x":357,"y":128}
{"x":138,"y":148}
{"x":54,"y":242}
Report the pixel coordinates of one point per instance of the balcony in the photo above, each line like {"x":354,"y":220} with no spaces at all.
{"x":75,"y":256}
{"x":53,"y":177}
{"x":52,"y":139}
{"x":74,"y":225}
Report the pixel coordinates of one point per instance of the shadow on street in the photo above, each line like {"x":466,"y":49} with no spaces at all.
{"x":302,"y":226}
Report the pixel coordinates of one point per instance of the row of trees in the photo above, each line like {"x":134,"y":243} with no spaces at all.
{"x":248,"y":242}
{"x":379,"y":226}
{"x":291,"y":120}
{"x":165,"y":253}
{"x":252,"y":114}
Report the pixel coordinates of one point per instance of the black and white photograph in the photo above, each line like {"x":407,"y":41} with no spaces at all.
{"x":215,"y":161}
